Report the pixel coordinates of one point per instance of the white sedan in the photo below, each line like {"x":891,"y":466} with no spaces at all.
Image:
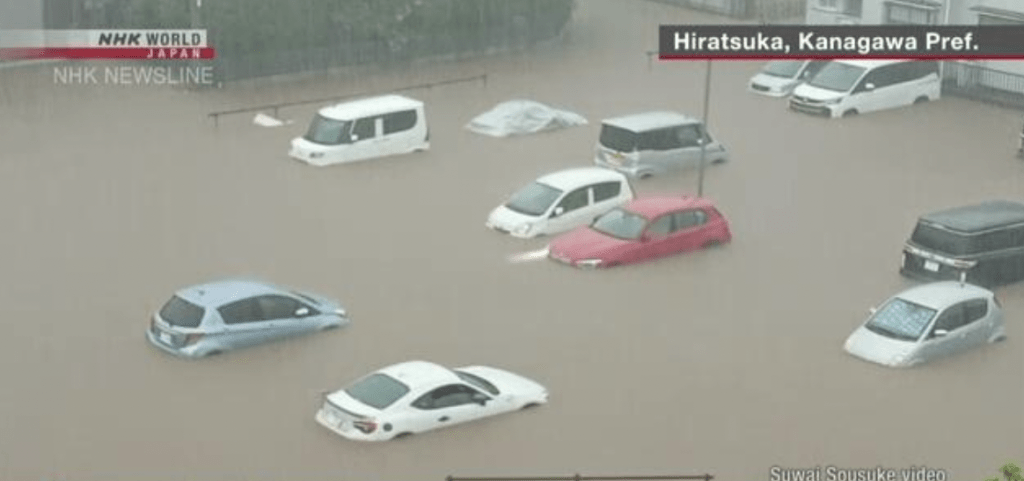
{"x":417,"y":396}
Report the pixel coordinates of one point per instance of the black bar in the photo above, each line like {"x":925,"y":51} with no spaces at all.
{"x":277,"y":106}
{"x":939,"y":42}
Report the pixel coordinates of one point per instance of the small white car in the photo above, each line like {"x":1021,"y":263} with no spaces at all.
{"x":561,"y":201}
{"x":418,"y":396}
{"x":927,"y":322}
{"x":778,"y":78}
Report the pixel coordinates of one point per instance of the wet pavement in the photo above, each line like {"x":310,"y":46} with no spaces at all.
{"x":727,"y":361}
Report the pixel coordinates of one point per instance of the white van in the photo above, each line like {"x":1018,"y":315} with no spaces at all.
{"x":561,"y":201}
{"x":849,"y":87}
{"x":649,"y":143}
{"x":363,"y":129}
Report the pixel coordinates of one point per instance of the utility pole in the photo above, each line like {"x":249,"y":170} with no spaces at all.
{"x":704,"y":129}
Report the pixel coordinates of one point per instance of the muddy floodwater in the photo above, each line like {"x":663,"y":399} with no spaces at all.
{"x":727,"y":361}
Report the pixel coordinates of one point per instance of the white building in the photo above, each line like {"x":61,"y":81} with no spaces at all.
{"x":977,"y":78}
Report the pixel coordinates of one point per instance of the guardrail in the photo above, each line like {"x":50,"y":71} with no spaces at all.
{"x":275,"y":108}
{"x":982,"y":83}
{"x":577,"y":477}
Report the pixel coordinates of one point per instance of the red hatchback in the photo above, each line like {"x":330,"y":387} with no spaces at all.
{"x":644,"y":229}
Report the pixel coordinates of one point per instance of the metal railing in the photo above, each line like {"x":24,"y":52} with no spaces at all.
{"x":578,"y":477}
{"x":276,"y":107}
{"x":982,"y":83}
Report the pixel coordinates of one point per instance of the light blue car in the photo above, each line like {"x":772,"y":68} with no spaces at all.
{"x":220,"y":316}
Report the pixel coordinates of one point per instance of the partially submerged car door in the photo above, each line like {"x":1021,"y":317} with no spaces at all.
{"x":609,"y":195}
{"x":957,"y":336}
{"x":286,"y":316}
{"x":244,"y":324}
{"x":449,"y":405}
{"x":571,"y":211}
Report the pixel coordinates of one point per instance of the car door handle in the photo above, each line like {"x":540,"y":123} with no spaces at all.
{"x":443,"y":419}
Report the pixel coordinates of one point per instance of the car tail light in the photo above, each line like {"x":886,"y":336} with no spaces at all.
{"x":367,"y":426}
{"x":192,"y":338}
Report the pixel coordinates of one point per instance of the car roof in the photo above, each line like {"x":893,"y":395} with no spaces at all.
{"x":576,"y":177}
{"x":978,"y":217}
{"x":369,"y":106}
{"x":939,"y":295}
{"x":644,"y":121}
{"x":420,"y":374}
{"x":653,"y":206}
{"x":217,"y":293}
{"x":869,"y":64}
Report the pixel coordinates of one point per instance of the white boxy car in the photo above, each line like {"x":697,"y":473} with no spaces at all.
{"x":778,"y":78}
{"x":561,"y":201}
{"x":363,"y":129}
{"x":418,"y":396}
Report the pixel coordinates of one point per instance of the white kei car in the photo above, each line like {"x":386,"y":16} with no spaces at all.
{"x":418,"y":396}
{"x":561,"y":201}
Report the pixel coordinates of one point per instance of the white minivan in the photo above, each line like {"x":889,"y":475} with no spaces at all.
{"x":849,"y":87}
{"x":363,"y":129}
{"x":657,"y":142}
{"x":561,"y":201}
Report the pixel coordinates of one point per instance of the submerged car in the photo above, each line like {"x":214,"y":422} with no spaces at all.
{"x":645,"y":229}
{"x":418,"y":396}
{"x":561,"y":201}
{"x":220,"y":316}
{"x":653,"y":143}
{"x":778,"y":78}
{"x":927,"y":322}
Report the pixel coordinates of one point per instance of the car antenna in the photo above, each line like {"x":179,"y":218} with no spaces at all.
{"x":963,"y":278}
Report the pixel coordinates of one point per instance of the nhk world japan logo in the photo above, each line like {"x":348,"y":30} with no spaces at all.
{"x":110,"y":44}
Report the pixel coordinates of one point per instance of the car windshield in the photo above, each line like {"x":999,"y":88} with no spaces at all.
{"x":181,"y":313}
{"x":940,"y":240}
{"x":618,"y":138}
{"x":901,"y":319}
{"x":620,"y":223}
{"x":478,"y":382}
{"x":783,"y":68}
{"x":534,"y":199}
{"x":377,"y":390}
{"x":837,"y":76}
{"x":327,"y":131}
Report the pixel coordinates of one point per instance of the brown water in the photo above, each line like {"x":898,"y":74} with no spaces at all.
{"x":728,"y":361}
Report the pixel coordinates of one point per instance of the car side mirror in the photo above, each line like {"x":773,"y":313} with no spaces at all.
{"x":872,"y":310}
{"x":355,"y":138}
{"x":645,"y":238}
{"x":481,"y":399}
{"x":558,"y":211}
{"x":302,"y":312}
{"x":869,"y":86}
{"x":940,"y":333}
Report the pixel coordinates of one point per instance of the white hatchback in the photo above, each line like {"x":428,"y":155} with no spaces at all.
{"x":417,"y":396}
{"x":561,"y":201}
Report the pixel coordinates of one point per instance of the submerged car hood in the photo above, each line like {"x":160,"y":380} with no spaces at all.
{"x":507,"y":219}
{"x":877,"y":348}
{"x":507,"y":382}
{"x":586,"y":243}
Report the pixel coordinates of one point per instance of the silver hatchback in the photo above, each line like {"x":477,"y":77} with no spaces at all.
{"x":220,"y":316}
{"x":928,"y":322}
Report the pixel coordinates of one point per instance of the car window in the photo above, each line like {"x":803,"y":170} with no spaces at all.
{"x":181,"y":313}
{"x":241,"y":312}
{"x":661,"y":139}
{"x":975,"y":309}
{"x":534,"y":199}
{"x":575,"y":199}
{"x":446,"y":396}
{"x":901,"y":319}
{"x":478,"y":382}
{"x":365,"y":128}
{"x":377,"y":390}
{"x":399,"y":121}
{"x":689,"y":135}
{"x":278,"y":307}
{"x":934,"y":237}
{"x":689,"y":218}
{"x":328,"y":131}
{"x":618,"y":139}
{"x":620,"y":223}
{"x":951,"y":319}
{"x":661,"y":227}
{"x":606,"y":190}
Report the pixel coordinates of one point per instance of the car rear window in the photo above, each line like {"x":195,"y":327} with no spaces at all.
{"x":377,"y":390}
{"x":181,"y":313}
{"x":941,"y":240}
{"x":618,"y":139}
{"x":478,"y":382}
